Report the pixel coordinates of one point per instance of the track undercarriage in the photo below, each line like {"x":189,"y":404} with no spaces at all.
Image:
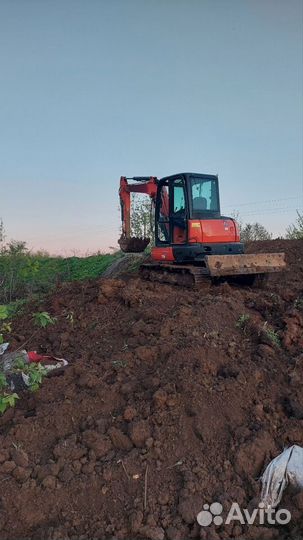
{"x":243,"y":269}
{"x":194,"y":276}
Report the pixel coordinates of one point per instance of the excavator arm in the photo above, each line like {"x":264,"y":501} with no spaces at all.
{"x":146,"y":185}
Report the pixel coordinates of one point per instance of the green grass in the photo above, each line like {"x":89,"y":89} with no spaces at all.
{"x":24,"y":274}
{"x":74,"y":268}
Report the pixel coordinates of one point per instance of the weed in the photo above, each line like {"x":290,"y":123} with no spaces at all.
{"x":273,"y":336}
{"x":43,"y":319}
{"x":3,"y":312}
{"x":242,"y":321}
{"x":7,"y":400}
{"x":3,"y":381}
{"x":16,"y":307}
{"x":5,"y":327}
{"x":34,"y":373}
{"x":119,"y":363}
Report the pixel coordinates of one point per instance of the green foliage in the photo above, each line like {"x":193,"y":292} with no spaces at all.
{"x":5,"y":327}
{"x":242,"y":321}
{"x":142,"y":218}
{"x":19,"y":364}
{"x":17,"y":268}
{"x":24,"y":274}
{"x":2,"y":234}
{"x":7,"y":400}
{"x":3,"y":381}
{"x":295,"y":231}
{"x":273,"y":336}
{"x":43,"y":319}
{"x":3,"y":312}
{"x":16,"y":307}
{"x":36,"y":374}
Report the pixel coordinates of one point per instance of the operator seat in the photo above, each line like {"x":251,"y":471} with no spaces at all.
{"x":199,"y":203}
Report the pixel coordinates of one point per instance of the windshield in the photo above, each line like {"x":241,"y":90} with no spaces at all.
{"x":204,"y":195}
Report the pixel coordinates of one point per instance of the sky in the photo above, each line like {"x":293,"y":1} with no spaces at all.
{"x":94,"y":89}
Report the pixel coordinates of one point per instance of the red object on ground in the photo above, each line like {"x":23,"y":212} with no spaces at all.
{"x":33,"y":356}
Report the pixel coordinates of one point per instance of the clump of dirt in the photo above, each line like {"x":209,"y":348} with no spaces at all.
{"x":173,"y":398}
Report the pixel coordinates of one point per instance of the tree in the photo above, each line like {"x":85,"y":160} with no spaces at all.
{"x":295,"y":231}
{"x":142,"y":218}
{"x":2,"y":234}
{"x":254,"y":231}
{"x":250,"y":232}
{"x":17,"y":248}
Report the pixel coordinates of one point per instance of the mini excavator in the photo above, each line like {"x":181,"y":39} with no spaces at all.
{"x":192,"y":239}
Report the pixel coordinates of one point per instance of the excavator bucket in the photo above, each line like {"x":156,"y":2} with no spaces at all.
{"x":234,"y":265}
{"x":133,"y":244}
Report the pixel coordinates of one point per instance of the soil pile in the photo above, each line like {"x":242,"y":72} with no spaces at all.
{"x":173,"y":398}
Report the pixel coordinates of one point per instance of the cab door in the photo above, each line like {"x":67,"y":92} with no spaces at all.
{"x":171,"y":212}
{"x":162,"y":214}
{"x":178,"y":211}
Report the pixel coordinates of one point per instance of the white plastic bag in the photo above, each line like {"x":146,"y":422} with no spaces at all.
{"x":3,"y":348}
{"x":287,"y":468}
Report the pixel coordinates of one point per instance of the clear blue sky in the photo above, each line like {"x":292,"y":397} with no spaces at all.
{"x":92,"y":89}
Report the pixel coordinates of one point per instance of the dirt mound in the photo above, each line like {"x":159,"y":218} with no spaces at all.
{"x":124,"y":265}
{"x":173,"y":399}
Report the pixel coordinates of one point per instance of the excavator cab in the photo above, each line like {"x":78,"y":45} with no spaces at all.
{"x":180,"y":199}
{"x":191,"y":235}
{"x":188,"y":222}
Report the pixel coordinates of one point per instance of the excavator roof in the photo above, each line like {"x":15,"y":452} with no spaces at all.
{"x":203,"y":175}
{"x":147,"y":178}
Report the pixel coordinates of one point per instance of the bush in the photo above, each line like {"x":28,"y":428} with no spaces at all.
{"x":23,"y":274}
{"x":295,"y":231}
{"x":254,"y":231}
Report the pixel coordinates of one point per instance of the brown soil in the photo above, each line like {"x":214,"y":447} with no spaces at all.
{"x":167,"y":404}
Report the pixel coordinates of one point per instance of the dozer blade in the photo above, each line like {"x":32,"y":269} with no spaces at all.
{"x":235,"y":265}
{"x":133,"y":244}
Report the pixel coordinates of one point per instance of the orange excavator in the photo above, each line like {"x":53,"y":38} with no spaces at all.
{"x":192,"y":239}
